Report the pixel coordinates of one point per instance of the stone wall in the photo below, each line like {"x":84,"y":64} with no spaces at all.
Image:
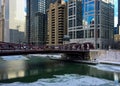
{"x":105,"y":55}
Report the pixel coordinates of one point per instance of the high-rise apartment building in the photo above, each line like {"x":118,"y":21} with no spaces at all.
{"x":57,"y":23}
{"x":96,"y":22}
{"x":48,"y":2}
{"x":36,"y":21}
{"x":12,"y":15}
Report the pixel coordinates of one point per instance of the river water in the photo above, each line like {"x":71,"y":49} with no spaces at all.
{"x":37,"y":71}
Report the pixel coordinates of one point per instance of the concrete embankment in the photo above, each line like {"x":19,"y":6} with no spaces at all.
{"x":105,"y":55}
{"x":111,"y":57}
{"x":111,"y":63}
{"x":96,"y":62}
{"x":77,"y":61}
{"x":89,"y":62}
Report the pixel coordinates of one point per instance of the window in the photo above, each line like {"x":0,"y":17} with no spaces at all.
{"x":70,"y":34}
{"x":70,"y":23}
{"x":70,"y":11}
{"x":80,"y":34}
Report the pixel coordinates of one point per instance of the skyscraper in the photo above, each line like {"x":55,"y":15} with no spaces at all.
{"x":119,"y":12}
{"x":57,"y":23}
{"x":32,"y":8}
{"x":36,"y":21}
{"x":1,"y":33}
{"x":96,"y":22}
{"x":4,"y":21}
{"x":0,"y":5}
{"x":12,"y":15}
{"x":118,"y":17}
{"x":48,"y":2}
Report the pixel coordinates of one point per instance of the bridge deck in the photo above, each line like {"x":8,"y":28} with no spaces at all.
{"x":22,"y":52}
{"x":21,"y":49}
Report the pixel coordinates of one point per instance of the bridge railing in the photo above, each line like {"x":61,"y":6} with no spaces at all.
{"x":71,"y":46}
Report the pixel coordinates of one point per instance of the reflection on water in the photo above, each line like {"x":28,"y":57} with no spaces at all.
{"x":12,"y":74}
{"x":37,"y":69}
{"x":12,"y":69}
{"x":116,"y":79}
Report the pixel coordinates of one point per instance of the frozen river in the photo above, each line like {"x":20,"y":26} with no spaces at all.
{"x":37,"y":71}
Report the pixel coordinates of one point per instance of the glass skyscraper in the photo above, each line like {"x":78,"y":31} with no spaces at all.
{"x":119,"y":12}
{"x":32,"y":8}
{"x":36,"y":21}
{"x":96,"y":22}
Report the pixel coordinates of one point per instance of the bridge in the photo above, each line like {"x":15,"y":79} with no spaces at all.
{"x":78,"y":51}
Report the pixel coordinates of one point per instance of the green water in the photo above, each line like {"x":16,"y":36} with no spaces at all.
{"x":28,"y":71}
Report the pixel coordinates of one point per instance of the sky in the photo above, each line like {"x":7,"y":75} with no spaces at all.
{"x":115,"y":12}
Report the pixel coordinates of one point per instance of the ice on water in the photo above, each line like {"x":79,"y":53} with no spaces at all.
{"x":66,"y":80}
{"x":56,"y":56}
{"x":110,"y":68}
{"x":18,"y":57}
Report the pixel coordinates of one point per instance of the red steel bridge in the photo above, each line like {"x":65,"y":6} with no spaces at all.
{"x":71,"y":49}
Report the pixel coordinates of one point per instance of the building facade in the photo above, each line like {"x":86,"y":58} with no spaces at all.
{"x":119,"y":12}
{"x":11,"y":16}
{"x":116,"y":30}
{"x":40,"y":28}
{"x":96,"y":22}
{"x":57,"y":23}
{"x":1,"y":33}
{"x":4,"y":21}
{"x":32,"y":8}
{"x":36,"y":21}
{"x":118,"y":16}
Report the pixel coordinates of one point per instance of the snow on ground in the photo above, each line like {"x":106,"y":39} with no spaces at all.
{"x":66,"y":80}
{"x":18,"y":57}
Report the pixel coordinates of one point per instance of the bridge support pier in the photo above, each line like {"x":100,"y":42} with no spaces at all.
{"x":76,"y":56}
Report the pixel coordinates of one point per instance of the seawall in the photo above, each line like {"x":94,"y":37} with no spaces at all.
{"x":105,"y":55}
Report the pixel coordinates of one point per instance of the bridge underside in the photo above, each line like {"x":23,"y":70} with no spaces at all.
{"x":23,"y":52}
{"x":77,"y":56}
